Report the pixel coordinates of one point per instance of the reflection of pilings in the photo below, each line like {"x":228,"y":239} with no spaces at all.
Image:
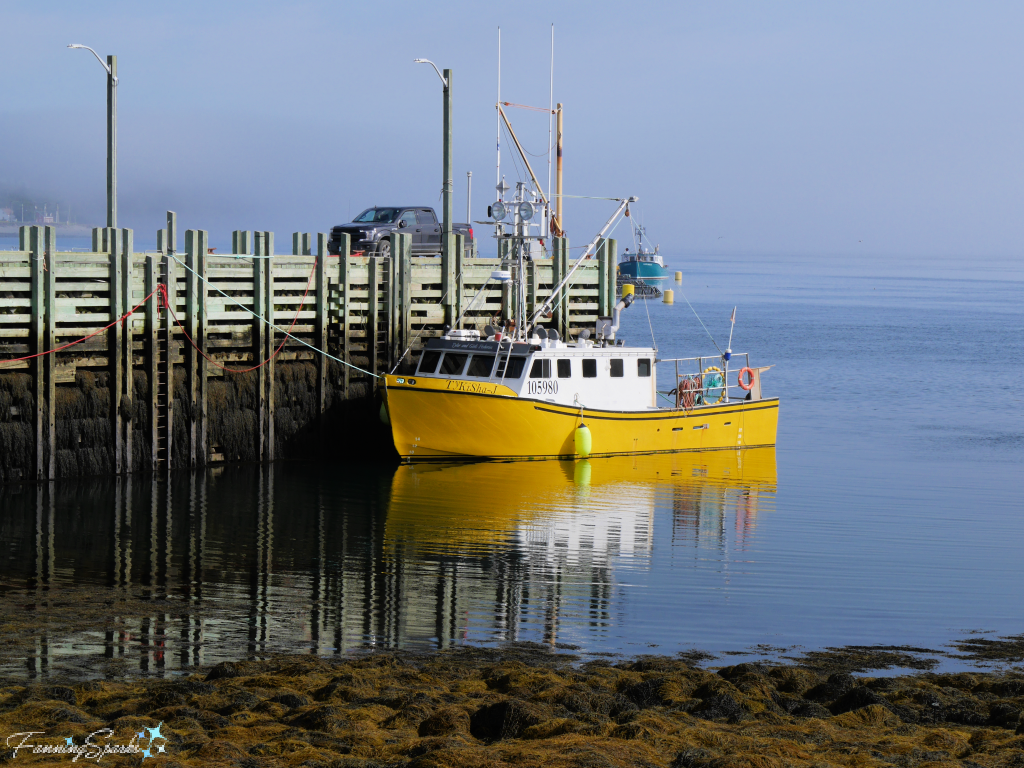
{"x":191,"y":632}
{"x":317,"y":619}
{"x":446,"y":606}
{"x":259,"y":631}
{"x":338,"y":599}
{"x":43,"y":574}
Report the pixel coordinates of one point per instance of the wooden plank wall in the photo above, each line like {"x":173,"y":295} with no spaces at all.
{"x":371,"y":312}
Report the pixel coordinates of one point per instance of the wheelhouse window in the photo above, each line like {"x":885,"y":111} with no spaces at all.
{"x":643,"y":366}
{"x":541,"y":369}
{"x":590,"y":369}
{"x":452,"y":364}
{"x":428,"y":362}
{"x":513,"y":369}
{"x":480,"y":366}
{"x":564,"y":369}
{"x":616,"y":367}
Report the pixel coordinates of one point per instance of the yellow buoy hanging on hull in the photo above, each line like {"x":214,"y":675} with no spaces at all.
{"x":627,"y":290}
{"x":669,"y":297}
{"x":583,"y":441}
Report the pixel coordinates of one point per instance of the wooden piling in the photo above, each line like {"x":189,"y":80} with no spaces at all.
{"x":191,"y":355}
{"x":37,"y":343}
{"x":259,"y":338}
{"x":610,"y":282}
{"x":268,"y":352}
{"x":151,"y":349}
{"x":320,"y":332}
{"x":344,"y":248}
{"x":403,"y":282}
{"x":449,"y":289}
{"x":127,"y":350}
{"x":460,"y":274}
{"x":372,"y":312}
{"x":202,"y":437}
{"x":115,"y":343}
{"x":171,"y":281}
{"x":50,"y":342}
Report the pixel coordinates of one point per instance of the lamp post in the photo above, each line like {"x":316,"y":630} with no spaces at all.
{"x":110,"y":66}
{"x":447,"y":183}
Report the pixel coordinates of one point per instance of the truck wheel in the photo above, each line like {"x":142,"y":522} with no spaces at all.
{"x":384,"y":249}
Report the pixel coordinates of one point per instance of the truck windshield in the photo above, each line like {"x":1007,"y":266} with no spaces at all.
{"x":383,"y":215}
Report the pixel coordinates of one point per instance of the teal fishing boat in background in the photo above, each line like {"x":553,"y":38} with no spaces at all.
{"x":643,"y":265}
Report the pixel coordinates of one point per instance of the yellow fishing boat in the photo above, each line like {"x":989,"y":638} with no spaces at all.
{"x":521,"y":392}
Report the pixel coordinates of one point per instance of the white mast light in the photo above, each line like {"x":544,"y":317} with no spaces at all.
{"x":498,"y":211}
{"x":526,"y":210}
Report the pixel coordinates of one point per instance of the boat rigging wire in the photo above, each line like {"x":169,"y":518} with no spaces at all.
{"x":266,"y":322}
{"x":700,"y":321}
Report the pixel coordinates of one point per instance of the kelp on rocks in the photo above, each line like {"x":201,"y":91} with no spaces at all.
{"x":522,"y":705}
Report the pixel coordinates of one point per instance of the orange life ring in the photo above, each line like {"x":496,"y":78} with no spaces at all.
{"x":746,"y":387}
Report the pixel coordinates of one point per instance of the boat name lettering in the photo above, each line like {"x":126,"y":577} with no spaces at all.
{"x":472,"y":386}
{"x":543,"y":387}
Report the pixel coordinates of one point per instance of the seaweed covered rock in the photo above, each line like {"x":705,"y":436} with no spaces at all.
{"x":445,"y":721}
{"x":503,"y":720}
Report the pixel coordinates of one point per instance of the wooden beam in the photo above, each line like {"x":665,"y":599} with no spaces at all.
{"x":202,"y":427}
{"x":152,"y":348}
{"x":460,"y":267}
{"x":270,"y":380}
{"x":50,"y":342}
{"x":320,"y":336}
{"x":37,"y":344}
{"x":115,"y":344}
{"x":191,"y":355}
{"x":259,"y":337}
{"x":402,"y":250}
{"x":372,"y":312}
{"x":344,"y":249}
{"x":127,"y":349}
{"x":610,"y":285}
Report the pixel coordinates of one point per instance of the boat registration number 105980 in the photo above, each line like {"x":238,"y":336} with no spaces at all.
{"x":542,"y":387}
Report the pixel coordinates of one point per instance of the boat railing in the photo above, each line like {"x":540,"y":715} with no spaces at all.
{"x":711,"y":380}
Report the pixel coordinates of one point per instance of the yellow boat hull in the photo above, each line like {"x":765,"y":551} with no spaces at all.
{"x":444,"y":419}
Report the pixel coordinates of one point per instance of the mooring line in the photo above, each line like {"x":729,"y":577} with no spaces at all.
{"x":264,"y":320}
{"x":97,"y":332}
{"x":276,"y":351}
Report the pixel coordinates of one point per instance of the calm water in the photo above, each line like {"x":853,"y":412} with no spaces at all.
{"x":890,"y":512}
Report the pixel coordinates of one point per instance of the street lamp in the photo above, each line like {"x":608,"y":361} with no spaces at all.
{"x":446,"y":183}
{"x":110,"y":66}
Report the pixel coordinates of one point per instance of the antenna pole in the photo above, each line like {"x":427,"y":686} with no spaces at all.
{"x":497,"y":109}
{"x":551,"y":104}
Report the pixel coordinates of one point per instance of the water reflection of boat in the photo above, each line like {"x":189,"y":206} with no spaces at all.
{"x":476,"y":506}
{"x":535,"y":550}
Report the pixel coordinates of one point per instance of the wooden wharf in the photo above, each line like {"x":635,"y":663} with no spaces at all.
{"x":139,"y":396}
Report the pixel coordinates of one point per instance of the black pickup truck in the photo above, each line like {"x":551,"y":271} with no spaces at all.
{"x":370,"y":231}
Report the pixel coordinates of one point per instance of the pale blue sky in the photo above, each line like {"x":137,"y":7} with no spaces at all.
{"x":744,"y":127}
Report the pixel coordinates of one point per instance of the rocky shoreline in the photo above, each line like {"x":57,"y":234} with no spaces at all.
{"x":523,"y":705}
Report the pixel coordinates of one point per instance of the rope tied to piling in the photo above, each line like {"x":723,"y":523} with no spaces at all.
{"x":264,"y":320}
{"x":288,"y":333}
{"x":97,"y":332}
